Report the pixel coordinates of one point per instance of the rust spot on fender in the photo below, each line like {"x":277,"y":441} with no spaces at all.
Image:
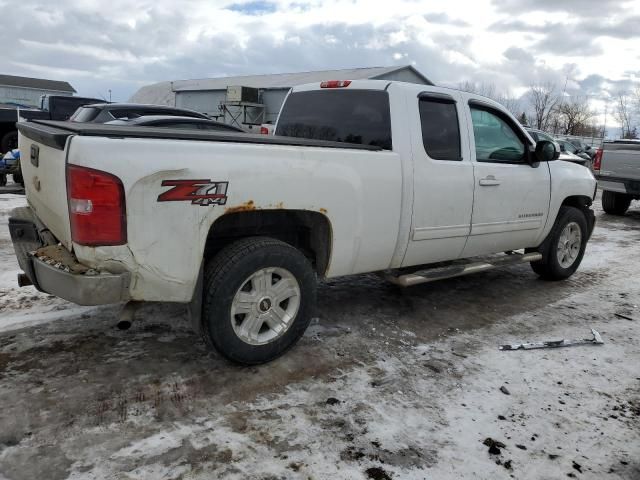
{"x":243,"y":207}
{"x":323,"y":210}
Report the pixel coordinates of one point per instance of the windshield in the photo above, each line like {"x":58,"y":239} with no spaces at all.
{"x":85,"y":114}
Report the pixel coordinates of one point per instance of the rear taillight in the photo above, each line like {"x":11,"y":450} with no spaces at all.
{"x":264,"y":131}
{"x":335,"y":84}
{"x":96,"y":207}
{"x":597,"y":159}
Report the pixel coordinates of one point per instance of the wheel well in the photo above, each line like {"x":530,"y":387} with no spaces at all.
{"x":310,"y":232}
{"x":578,"y":201}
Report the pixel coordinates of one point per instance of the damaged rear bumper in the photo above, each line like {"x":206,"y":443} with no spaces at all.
{"x":61,"y":275}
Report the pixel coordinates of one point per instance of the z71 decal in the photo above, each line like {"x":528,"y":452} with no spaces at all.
{"x":199,"y":192}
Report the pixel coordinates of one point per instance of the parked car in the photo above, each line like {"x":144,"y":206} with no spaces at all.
{"x":617,"y":168}
{"x":107,"y":112}
{"x":52,"y":107}
{"x":586,"y":148}
{"x":539,"y":135}
{"x":361,"y":176}
{"x":568,"y":147}
{"x":168,"y":121}
{"x":10,"y":165}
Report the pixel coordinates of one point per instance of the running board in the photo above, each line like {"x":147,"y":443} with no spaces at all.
{"x":431,"y":275}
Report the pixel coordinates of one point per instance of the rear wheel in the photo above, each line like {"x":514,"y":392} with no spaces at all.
{"x":17,"y":178}
{"x":564,"y":248}
{"x":259,"y":297}
{"x":3,"y":180}
{"x":615,"y":203}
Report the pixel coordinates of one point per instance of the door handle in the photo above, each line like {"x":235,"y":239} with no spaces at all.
{"x":489,"y":181}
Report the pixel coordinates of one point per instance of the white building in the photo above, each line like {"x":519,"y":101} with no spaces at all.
{"x":208,"y":95}
{"x":27,"y":91}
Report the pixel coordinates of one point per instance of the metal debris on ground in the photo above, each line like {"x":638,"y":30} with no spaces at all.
{"x":619,"y":315}
{"x":596,"y":340}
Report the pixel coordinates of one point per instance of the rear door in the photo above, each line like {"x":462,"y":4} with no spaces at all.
{"x":442,"y":179}
{"x":511,"y":199}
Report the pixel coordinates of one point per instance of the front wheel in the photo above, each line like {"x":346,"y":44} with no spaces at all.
{"x":259,"y":297}
{"x":564,"y":248}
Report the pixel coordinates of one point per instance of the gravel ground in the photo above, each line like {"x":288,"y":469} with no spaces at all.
{"x":387,"y":383}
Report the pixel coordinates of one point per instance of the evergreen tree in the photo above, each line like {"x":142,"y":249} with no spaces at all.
{"x":523,"y":120}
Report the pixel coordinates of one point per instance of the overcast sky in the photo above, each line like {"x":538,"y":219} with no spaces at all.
{"x":124,"y":44}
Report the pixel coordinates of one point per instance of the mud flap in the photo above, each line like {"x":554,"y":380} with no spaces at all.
{"x":26,"y":239}
{"x":195,"y":305}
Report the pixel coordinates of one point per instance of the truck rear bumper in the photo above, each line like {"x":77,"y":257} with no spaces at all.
{"x":620,"y":185}
{"x":54,"y":275}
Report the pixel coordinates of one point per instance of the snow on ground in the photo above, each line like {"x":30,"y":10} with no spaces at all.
{"x":387,"y":383}
{"x":20,"y":307}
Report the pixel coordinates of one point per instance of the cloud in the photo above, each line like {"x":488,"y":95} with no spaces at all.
{"x":511,"y":43}
{"x":574,"y":7}
{"x":443,"y":18}
{"x":258,"y":7}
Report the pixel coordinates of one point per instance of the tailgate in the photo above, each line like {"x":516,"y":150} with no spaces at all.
{"x":621,"y":161}
{"x":43,"y":152}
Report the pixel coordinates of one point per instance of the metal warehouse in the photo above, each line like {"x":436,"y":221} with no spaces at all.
{"x":27,"y":91}
{"x":256,"y":99}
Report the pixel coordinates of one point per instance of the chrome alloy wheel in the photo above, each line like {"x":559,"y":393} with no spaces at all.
{"x":569,"y":244}
{"x":265,"y":306}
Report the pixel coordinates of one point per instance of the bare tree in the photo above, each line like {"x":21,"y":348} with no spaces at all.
{"x":622,"y":113}
{"x":574,"y":115}
{"x":543,"y":98}
{"x":480,"y":88}
{"x":489,"y":90}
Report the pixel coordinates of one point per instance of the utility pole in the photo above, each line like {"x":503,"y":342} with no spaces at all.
{"x":109,"y":95}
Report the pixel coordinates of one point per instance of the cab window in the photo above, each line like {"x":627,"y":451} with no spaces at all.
{"x":496,"y":141}
{"x":440,"y":128}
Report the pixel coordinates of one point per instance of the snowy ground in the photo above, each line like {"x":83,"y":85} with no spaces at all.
{"x":385,"y":384}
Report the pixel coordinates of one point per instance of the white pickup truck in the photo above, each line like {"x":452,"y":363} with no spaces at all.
{"x":411,"y":181}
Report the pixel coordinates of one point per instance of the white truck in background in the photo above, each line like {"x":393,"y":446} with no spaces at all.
{"x":617,"y":168}
{"x":362,"y":176}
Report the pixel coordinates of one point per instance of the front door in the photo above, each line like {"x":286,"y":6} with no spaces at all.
{"x":511,"y":200}
{"x":442,"y":180}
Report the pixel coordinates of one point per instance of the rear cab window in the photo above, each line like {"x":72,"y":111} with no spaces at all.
{"x":440,"y":128}
{"x":361,"y":117}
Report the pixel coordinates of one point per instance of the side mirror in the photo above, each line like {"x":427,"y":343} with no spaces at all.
{"x":546,"y":151}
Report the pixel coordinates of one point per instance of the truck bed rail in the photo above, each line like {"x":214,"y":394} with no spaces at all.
{"x":55,"y":134}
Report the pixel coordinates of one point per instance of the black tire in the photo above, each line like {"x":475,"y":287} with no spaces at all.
{"x":549,"y":268}
{"x":226,"y":274}
{"x":9,"y":142}
{"x":3,"y":180}
{"x":17,"y":178}
{"x":615,"y":203}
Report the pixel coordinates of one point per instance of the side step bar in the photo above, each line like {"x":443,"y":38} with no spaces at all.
{"x":433,"y":274}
